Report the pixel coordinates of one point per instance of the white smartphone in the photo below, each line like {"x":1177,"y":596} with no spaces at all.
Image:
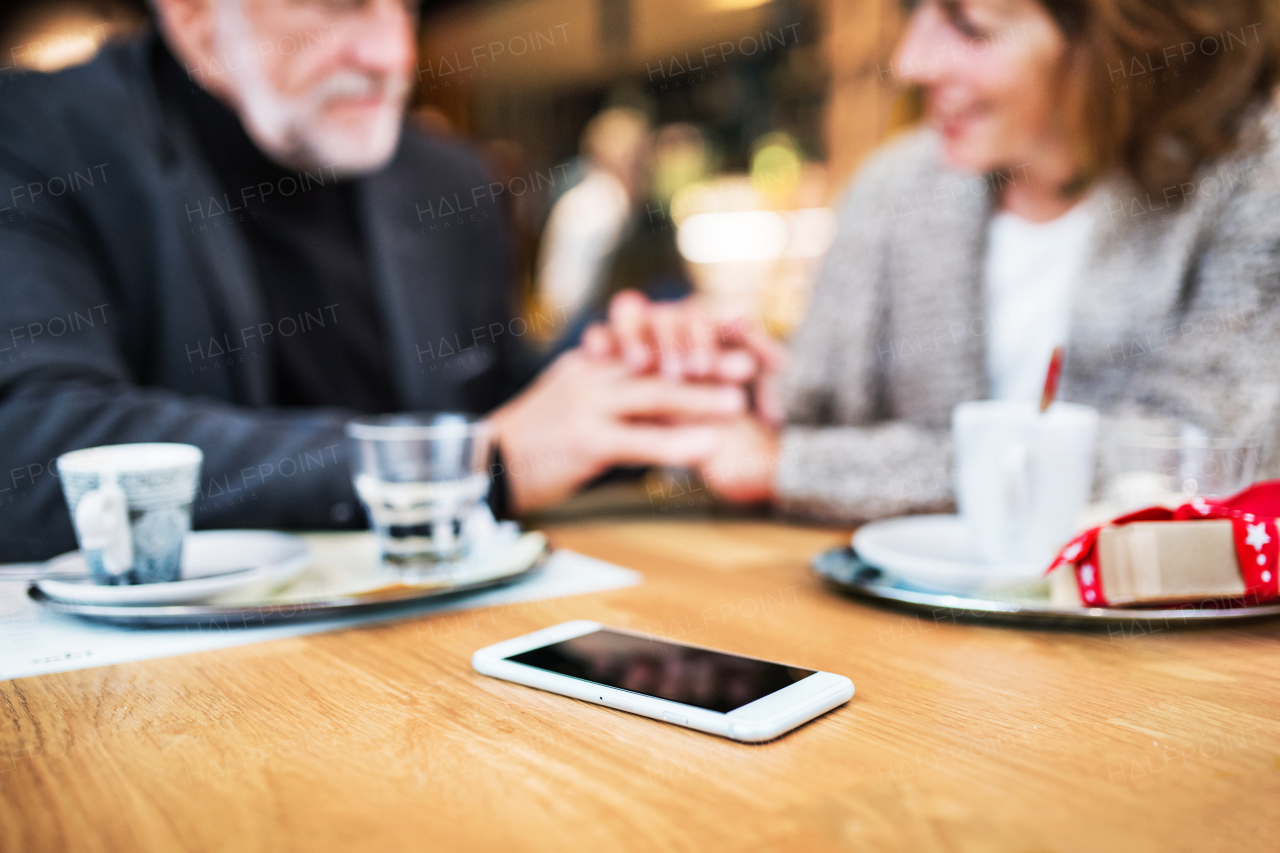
{"x":737,"y":697}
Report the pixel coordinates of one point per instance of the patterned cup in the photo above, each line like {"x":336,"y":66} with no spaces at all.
{"x":131,"y":508}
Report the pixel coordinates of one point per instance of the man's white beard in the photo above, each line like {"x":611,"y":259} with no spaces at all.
{"x":291,"y":130}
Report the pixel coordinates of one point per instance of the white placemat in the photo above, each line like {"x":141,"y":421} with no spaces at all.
{"x":34,"y":641}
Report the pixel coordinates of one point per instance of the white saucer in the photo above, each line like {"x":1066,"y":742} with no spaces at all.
{"x":213,"y":562}
{"x":934,"y":552}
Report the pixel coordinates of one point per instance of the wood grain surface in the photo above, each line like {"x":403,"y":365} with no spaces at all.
{"x":960,"y":738}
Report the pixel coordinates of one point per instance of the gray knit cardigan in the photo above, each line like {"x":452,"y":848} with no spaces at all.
{"x":1174,"y":315}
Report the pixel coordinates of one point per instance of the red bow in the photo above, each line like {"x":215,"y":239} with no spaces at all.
{"x":1253,"y":514}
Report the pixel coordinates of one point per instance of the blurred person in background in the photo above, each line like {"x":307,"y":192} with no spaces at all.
{"x":648,"y":259}
{"x":1099,"y":174}
{"x":590,"y":220}
{"x":222,"y":233}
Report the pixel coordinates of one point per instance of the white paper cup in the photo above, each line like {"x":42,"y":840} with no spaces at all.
{"x":131,"y":508}
{"x":1022,"y":477}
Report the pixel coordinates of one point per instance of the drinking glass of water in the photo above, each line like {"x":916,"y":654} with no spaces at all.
{"x":423,"y":479}
{"x":1167,"y":463}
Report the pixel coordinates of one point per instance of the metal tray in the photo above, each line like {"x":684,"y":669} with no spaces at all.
{"x":221,"y":617}
{"x":844,"y":571}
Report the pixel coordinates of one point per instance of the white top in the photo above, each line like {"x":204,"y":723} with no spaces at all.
{"x":1031,"y":269}
{"x":583,"y":230}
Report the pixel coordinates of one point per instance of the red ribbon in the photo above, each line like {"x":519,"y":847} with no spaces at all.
{"x":1253,"y":514}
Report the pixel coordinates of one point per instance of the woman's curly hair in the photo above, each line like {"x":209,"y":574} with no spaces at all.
{"x":1160,"y":87}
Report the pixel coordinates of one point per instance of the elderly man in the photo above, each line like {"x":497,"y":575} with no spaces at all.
{"x":215,"y":235}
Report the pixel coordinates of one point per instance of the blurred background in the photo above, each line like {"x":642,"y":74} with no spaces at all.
{"x":665,"y":145}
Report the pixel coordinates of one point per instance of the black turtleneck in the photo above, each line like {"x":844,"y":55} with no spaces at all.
{"x":305,"y":240}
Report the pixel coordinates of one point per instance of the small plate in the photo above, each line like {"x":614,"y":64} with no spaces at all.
{"x":934,"y":552}
{"x":843,"y":571}
{"x":214,"y":562}
{"x":315,"y":595}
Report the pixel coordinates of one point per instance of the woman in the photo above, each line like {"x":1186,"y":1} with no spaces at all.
{"x":1103,"y":174}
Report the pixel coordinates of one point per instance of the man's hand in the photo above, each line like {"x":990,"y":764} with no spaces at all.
{"x":680,"y":340}
{"x":584,"y":415}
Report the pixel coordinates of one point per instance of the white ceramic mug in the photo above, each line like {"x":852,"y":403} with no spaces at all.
{"x":131,"y":508}
{"x":1022,"y":477}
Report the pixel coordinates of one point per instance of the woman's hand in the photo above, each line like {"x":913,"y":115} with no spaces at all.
{"x":745,"y":459}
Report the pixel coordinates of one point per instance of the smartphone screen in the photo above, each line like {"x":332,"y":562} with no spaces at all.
{"x":699,"y":677}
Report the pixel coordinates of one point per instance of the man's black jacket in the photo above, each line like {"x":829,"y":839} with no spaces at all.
{"x":129,"y":308}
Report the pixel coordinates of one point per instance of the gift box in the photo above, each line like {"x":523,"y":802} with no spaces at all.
{"x":1212,"y":553}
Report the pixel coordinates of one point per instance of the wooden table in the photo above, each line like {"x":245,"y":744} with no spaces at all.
{"x":960,"y":737}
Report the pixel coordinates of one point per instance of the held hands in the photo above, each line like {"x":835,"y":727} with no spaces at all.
{"x":660,"y":384}
{"x":584,"y":415}
{"x":680,"y":341}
